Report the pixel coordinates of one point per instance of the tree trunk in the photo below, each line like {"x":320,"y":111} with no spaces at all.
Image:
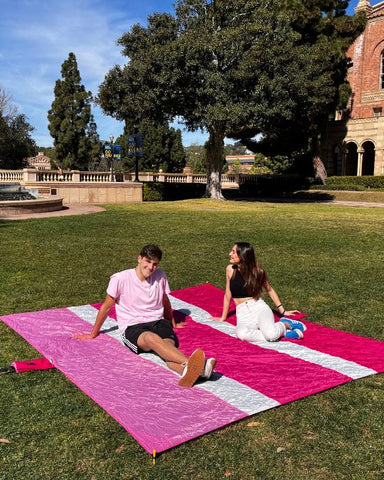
{"x":215,"y":151}
{"x":319,"y":169}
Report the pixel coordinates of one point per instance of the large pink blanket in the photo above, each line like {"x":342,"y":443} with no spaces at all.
{"x":144,"y":396}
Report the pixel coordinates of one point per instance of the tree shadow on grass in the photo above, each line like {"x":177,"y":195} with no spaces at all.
{"x":291,"y":197}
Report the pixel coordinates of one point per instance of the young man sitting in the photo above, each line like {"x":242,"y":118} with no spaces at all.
{"x":145,"y":319}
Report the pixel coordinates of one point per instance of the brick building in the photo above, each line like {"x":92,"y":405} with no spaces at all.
{"x":354,"y":143}
{"x":244,"y":162}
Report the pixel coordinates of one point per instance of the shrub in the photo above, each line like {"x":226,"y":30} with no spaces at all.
{"x":157,"y":191}
{"x":153,"y":192}
{"x":183,"y":191}
{"x":276,"y":185}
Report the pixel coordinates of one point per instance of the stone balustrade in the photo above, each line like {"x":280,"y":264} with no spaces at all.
{"x":11,"y":176}
{"x":96,"y":187}
{"x":29,"y":175}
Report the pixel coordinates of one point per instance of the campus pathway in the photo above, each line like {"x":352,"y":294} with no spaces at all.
{"x":355,"y":204}
{"x":72,"y":209}
{"x":84,"y":209}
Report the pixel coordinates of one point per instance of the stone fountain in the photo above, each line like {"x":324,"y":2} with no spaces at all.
{"x":15,"y":200}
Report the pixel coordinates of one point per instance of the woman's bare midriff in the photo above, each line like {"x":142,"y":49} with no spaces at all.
{"x":237,"y":301}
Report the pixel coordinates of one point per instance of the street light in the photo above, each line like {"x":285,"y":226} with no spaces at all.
{"x":111,"y":138}
{"x":135,"y":149}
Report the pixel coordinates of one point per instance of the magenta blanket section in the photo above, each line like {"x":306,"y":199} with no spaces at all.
{"x":143,"y":397}
{"x":260,"y":369}
{"x":243,"y":361}
{"x":364,"y":351}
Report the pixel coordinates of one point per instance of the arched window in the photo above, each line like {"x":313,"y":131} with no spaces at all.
{"x":382,"y":70}
{"x":368,"y":167}
{"x":351,"y":159}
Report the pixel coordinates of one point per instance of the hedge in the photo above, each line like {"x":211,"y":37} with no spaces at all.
{"x":365,"y":181}
{"x":158,"y":191}
{"x":276,"y":185}
{"x":345,"y":187}
{"x":153,"y":192}
{"x":261,"y":185}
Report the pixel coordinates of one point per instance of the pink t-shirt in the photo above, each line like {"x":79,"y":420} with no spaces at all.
{"x":137,"y":301}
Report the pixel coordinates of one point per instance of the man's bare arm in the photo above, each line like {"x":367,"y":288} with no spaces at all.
{"x":100,"y":319}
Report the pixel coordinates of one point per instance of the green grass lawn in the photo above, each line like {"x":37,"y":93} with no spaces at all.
{"x":325,"y":260}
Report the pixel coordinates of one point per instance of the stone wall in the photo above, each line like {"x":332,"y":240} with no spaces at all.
{"x":118,"y":192}
{"x":74,"y":186}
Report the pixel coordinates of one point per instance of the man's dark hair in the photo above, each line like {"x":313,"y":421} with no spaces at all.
{"x":151,"y":251}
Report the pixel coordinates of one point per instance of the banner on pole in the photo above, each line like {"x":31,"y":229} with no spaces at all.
{"x":107,"y":151}
{"x":131,"y":146}
{"x":139,"y":144}
{"x":117,"y":152}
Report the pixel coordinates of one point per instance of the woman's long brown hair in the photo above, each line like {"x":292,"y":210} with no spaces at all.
{"x":254,"y":275}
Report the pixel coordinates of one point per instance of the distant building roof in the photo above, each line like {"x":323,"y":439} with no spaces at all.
{"x":243,"y":159}
{"x":41,"y":162}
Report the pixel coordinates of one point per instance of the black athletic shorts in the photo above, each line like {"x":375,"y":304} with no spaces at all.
{"x":162,"y":327}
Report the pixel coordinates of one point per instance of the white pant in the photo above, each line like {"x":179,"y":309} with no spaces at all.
{"x":255,"y":322}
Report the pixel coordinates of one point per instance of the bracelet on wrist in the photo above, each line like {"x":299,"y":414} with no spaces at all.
{"x":278,"y":306}
{"x":282,"y":313}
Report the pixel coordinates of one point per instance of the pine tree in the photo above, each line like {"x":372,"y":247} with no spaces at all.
{"x":69,"y":118}
{"x":177,"y":156}
{"x":95,"y":145}
{"x":162,"y":147}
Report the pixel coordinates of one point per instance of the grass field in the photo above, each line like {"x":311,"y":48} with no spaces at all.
{"x":325,"y":260}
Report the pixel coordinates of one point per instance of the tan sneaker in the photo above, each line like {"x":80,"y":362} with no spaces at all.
{"x":193,"y":369}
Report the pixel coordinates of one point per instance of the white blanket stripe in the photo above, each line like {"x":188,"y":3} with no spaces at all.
{"x":240,"y":396}
{"x":338,"y":364}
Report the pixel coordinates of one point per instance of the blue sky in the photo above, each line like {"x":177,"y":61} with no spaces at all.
{"x":36,"y":37}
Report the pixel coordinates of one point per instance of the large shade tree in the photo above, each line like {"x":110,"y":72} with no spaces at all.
{"x":69,"y":118}
{"x":235,"y":69}
{"x":313,"y":81}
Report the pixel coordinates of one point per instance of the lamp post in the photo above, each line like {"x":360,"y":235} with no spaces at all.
{"x":111,"y":138}
{"x":135,"y":149}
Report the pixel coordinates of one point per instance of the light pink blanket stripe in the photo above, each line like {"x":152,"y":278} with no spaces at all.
{"x":142,"y":396}
{"x":364,"y":351}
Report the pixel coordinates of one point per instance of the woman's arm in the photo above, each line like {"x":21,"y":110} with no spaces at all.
{"x":276,"y":300}
{"x":227,"y":296}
